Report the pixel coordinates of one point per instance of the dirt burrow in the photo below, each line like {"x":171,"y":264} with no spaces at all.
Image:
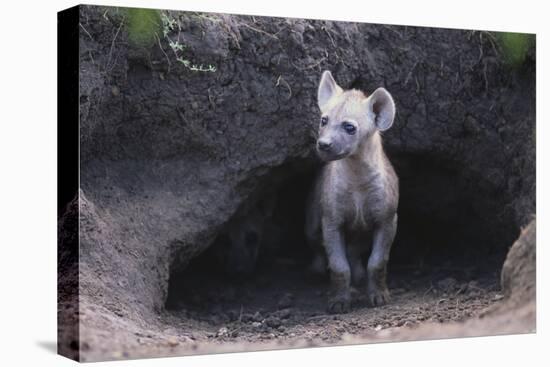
{"x":168,"y":156}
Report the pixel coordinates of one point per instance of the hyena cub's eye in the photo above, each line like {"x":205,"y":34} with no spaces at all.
{"x":350,"y":128}
{"x":324,"y":120}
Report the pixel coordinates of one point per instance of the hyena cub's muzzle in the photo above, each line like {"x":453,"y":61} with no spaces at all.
{"x":330,"y":150}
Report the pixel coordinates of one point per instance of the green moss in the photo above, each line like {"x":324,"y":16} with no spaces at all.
{"x":515,"y":46}
{"x":143,"y":26}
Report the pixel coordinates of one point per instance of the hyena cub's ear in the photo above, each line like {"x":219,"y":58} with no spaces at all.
{"x":381,"y":109}
{"x":327,"y":89}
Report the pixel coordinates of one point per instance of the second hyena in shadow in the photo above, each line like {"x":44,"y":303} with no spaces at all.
{"x":353,"y":206}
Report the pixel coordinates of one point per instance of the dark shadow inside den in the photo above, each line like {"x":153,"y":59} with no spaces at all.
{"x":450,"y":227}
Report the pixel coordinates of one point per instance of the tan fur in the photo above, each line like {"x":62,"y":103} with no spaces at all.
{"x":354,"y":200}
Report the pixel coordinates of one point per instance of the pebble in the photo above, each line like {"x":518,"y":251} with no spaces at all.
{"x":223,"y":331}
{"x":173,"y":341}
{"x":257,"y":317}
{"x":273,"y":321}
{"x":247,"y":317}
{"x":284,"y":313}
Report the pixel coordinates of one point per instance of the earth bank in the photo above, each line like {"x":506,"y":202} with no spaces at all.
{"x":169,"y":155}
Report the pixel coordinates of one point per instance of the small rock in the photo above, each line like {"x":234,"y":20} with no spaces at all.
{"x":256,"y":324}
{"x":285,"y":301}
{"x":273,"y":321}
{"x":173,"y":341}
{"x":247,"y":317}
{"x":222,"y":332}
{"x":400,"y":322}
{"x":119,"y":313}
{"x":257,"y":317}
{"x":284,"y":313}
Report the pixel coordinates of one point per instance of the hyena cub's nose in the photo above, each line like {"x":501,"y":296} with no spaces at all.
{"x":324,"y":145}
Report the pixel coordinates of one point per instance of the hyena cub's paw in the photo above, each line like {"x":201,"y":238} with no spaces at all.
{"x":340,"y":303}
{"x":378,"y":296}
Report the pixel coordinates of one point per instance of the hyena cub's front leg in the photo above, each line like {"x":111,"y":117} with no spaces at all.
{"x":377,"y":289}
{"x":340,"y":296}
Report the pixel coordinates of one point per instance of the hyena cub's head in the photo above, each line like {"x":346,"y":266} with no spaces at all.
{"x":348,"y":118}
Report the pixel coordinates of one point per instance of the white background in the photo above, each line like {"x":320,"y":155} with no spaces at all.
{"x":28,"y":181}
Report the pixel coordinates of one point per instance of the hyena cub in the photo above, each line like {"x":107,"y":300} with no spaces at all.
{"x":353,"y":206}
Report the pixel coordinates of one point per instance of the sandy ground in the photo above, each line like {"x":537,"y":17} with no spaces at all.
{"x":280,"y":308}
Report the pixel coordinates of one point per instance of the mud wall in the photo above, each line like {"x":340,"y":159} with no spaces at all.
{"x":169,"y":154}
